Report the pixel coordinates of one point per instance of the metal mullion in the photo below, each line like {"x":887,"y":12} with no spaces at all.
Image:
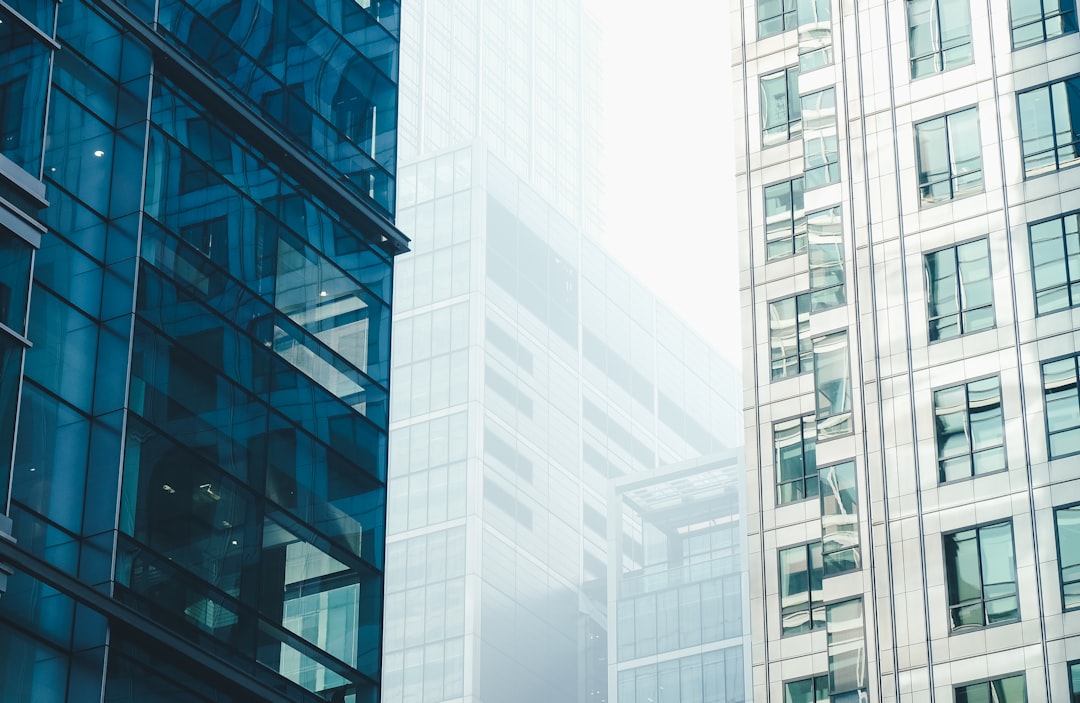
{"x":982,"y":581}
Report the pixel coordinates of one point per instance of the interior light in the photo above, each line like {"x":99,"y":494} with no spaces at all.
{"x":33,"y":468}
{"x":168,"y":489}
{"x":99,"y":153}
{"x":322,"y":294}
{"x":234,"y":541}
{"x":54,"y":169}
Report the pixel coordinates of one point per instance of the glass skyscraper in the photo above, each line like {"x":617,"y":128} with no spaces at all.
{"x":529,"y":370}
{"x":196,"y":259}
{"x":909,"y":236}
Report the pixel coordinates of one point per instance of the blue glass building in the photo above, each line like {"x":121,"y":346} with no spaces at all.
{"x":196,"y":258}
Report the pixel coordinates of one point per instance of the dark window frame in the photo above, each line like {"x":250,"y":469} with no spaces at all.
{"x":811,"y":604}
{"x":958,"y":289}
{"x":939,"y":49}
{"x":792,"y":127}
{"x":925,"y":202}
{"x":1046,"y":415}
{"x":804,"y":419}
{"x":801,"y":367}
{"x":967,"y":425}
{"x":795,"y":235}
{"x":1041,"y":21}
{"x":991,"y":679}
{"x":1075,"y":143}
{"x":1071,"y":279}
{"x":950,"y":606}
{"x":1057,"y":553}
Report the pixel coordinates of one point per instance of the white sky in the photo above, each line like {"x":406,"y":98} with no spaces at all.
{"x":668,"y":171}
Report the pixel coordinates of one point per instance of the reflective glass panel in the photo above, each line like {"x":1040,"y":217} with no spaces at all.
{"x":1062,"y":406}
{"x":1007,"y":690}
{"x":785,"y":223}
{"x":789,"y":325}
{"x":780,"y":114}
{"x":1050,"y":126}
{"x":1055,"y":255}
{"x":847,"y":647}
{"x":795,"y":459}
{"x":839,"y":518}
{"x":959,"y":290}
{"x":980,"y":574}
{"x":832,"y":384}
{"x":939,"y":35}
{"x":949,"y":156}
{"x":1068,"y":539}
{"x":1035,"y":21}
{"x":969,"y":426}
{"x":826,"y":253}
{"x":800,"y":588}
{"x":821,"y":151}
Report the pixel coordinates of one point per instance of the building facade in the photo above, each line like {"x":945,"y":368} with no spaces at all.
{"x":908,"y":228}
{"x":678,"y":616}
{"x":530,"y":371}
{"x":196,"y":259}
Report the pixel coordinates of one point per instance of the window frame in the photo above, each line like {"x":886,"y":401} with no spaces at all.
{"x":792,"y":102}
{"x":928,"y":203}
{"x":1057,"y":546}
{"x":967,"y":426}
{"x":938,"y":49}
{"x":812,"y":605}
{"x":959,"y":289}
{"x":803,"y":420}
{"x":795,"y":220}
{"x":950,"y":607}
{"x":786,"y":14}
{"x":1073,"y":678}
{"x":802,"y":368}
{"x":814,"y":680}
{"x":1042,"y":24}
{"x":1069,"y":280}
{"x":1046,"y":416}
{"x":991,"y":680}
{"x":1048,"y":86}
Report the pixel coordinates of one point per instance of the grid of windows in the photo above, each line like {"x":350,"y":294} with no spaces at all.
{"x":789,"y":336}
{"x":939,"y":35}
{"x":801,"y":609}
{"x":1062,"y":406}
{"x":794,"y":442}
{"x":785,"y":222}
{"x":970,"y":429}
{"x":1055,"y":263}
{"x":1035,"y":21}
{"x":810,"y":690}
{"x":1067,"y":520}
{"x":959,"y":290}
{"x":950,"y":156}
{"x":980,"y":574}
{"x":781,"y":117}
{"x":1010,"y":689}
{"x":1050,"y":126}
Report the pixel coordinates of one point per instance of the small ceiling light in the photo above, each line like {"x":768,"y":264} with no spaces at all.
{"x":99,"y":153}
{"x":322,"y":294}
{"x":168,"y":489}
{"x":54,"y":169}
{"x":33,"y":469}
{"x":234,"y":541}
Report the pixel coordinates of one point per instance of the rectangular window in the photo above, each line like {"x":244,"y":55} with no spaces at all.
{"x":1068,"y":539}
{"x":949,"y":153}
{"x":801,"y":609}
{"x":781,"y":119}
{"x":1062,"y":406}
{"x":832,"y":384}
{"x":789,"y":336}
{"x":980,"y":574}
{"x":821,"y":151}
{"x":812,"y":690}
{"x":794,"y":442}
{"x":1055,"y":263}
{"x":1007,"y":690}
{"x":839,"y":519}
{"x":939,"y":35}
{"x":959,"y":290}
{"x":1035,"y":21}
{"x":785,"y":223}
{"x":815,"y":34}
{"x":847,"y":647}
{"x":826,"y":249}
{"x":1074,"y":682}
{"x":970,"y":429}
{"x":775,"y":17}
{"x":1050,"y":126}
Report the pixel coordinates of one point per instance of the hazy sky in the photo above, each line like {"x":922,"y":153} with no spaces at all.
{"x":670,"y":204}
